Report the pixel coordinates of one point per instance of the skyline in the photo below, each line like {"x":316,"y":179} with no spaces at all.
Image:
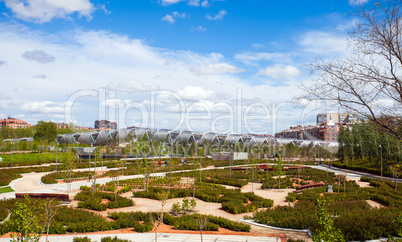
{"x":200,"y":59}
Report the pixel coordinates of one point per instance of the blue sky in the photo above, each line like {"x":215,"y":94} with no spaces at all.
{"x":226,"y":66}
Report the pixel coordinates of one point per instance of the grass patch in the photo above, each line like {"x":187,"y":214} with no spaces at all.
{"x":6,"y":189}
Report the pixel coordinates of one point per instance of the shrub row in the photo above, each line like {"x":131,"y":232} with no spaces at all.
{"x":93,"y":202}
{"x":185,"y":222}
{"x":51,"y":178}
{"x":360,"y":168}
{"x":232,"y":199}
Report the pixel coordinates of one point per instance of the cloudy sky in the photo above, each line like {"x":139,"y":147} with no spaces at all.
{"x":227,"y":66}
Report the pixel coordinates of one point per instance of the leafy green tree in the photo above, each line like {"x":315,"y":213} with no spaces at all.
{"x":25,"y":222}
{"x":185,"y":206}
{"x":175,"y":208}
{"x":7,"y":133}
{"x":326,"y":231}
{"x":46,"y":131}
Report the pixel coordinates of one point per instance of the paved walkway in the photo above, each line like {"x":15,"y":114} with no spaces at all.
{"x":354,"y":175}
{"x":31,"y":183}
{"x":162,"y":237}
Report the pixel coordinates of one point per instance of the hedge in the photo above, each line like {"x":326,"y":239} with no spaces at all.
{"x":93,"y":202}
{"x":232,"y":200}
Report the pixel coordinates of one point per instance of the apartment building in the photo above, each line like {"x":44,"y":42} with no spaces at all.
{"x":327,"y":128}
{"x":332,"y":118}
{"x":105,"y":124}
{"x":13,"y":123}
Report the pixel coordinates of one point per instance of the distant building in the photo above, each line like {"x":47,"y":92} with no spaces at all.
{"x":13,"y":123}
{"x":327,"y":128}
{"x":105,"y":124}
{"x":324,"y":131}
{"x":62,"y":126}
{"x":332,"y":118}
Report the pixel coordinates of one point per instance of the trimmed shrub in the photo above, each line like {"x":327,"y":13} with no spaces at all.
{"x":114,"y":239}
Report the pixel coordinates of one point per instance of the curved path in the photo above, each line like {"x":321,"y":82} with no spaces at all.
{"x":31,"y":183}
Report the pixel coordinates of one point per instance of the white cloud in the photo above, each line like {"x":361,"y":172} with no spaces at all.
{"x":43,"y":107}
{"x":179,"y":15}
{"x":195,"y":3}
{"x":252,"y":57}
{"x":196,"y":93}
{"x":132,"y":86}
{"x":40,"y":76}
{"x":218,"y":16}
{"x":169,"y":2}
{"x":38,"y":55}
{"x":199,"y":28}
{"x":168,"y":18}
{"x":357,"y":2}
{"x":257,"y":46}
{"x":89,"y":61}
{"x":41,"y":11}
{"x":279,"y":73}
{"x":322,"y":42}
{"x":103,"y":7}
{"x":218,"y":68}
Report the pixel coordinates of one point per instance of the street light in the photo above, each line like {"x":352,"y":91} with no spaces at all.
{"x":56,"y":156}
{"x":381,"y":159}
{"x":230,"y":161}
{"x":170,"y":162}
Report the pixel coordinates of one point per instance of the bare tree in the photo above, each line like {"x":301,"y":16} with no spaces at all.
{"x":339,"y":178}
{"x":344,"y":174}
{"x":156,"y":224}
{"x":50,"y":210}
{"x":163,"y":197}
{"x":368,"y":81}
{"x":202,"y":222}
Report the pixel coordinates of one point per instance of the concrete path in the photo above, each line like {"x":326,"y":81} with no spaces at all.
{"x":162,"y":237}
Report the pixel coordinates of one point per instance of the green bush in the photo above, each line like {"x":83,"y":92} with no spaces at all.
{"x":93,"y":202}
{"x":291,"y":197}
{"x":214,"y":193}
{"x":114,"y":239}
{"x":175,"y":210}
{"x":3,"y":213}
{"x":81,"y":239}
{"x":184,"y":222}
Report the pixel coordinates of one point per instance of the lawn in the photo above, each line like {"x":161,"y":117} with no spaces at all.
{"x":6,"y":189}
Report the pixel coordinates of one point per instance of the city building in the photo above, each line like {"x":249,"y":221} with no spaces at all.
{"x":62,"y":126}
{"x":105,"y":124}
{"x":332,"y":118}
{"x":13,"y":123}
{"x":327,"y":128}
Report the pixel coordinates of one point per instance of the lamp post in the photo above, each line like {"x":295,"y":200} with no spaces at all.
{"x":230,"y":161}
{"x":12,"y":144}
{"x":381,"y":159}
{"x":94,"y":174}
{"x":56,"y":156}
{"x":344,"y":153}
{"x":170,"y":163}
